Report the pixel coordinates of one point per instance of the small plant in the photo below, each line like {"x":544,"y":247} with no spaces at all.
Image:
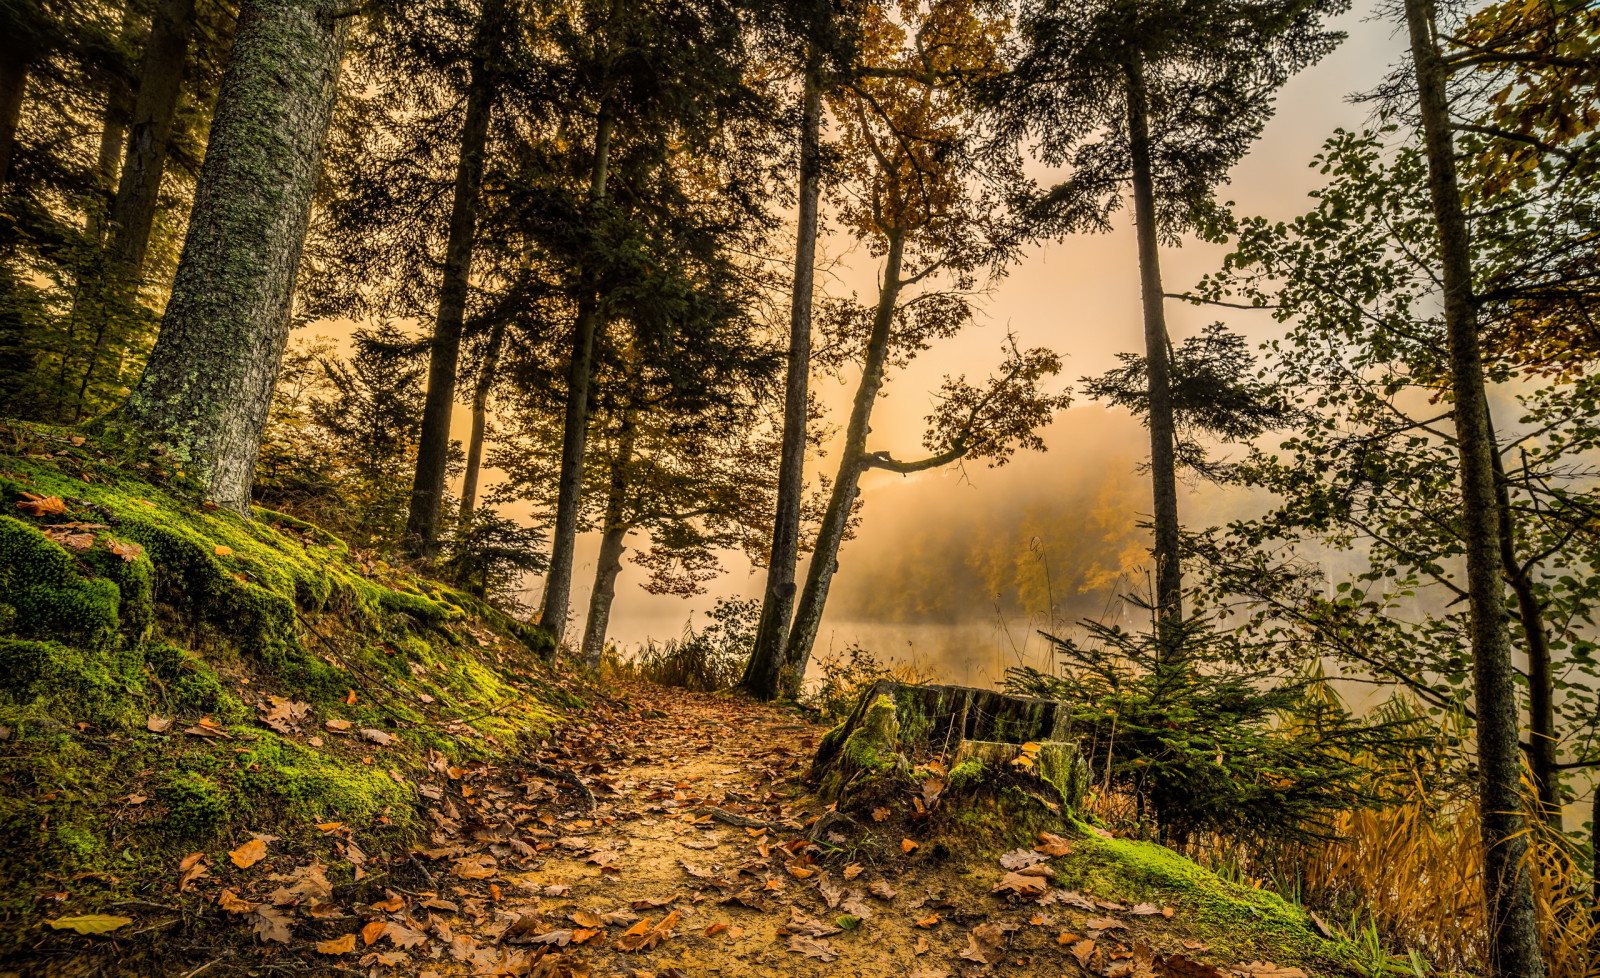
{"x":489,"y":556}
{"x":1200,"y":742}
{"x":705,"y":661}
{"x":846,"y":674}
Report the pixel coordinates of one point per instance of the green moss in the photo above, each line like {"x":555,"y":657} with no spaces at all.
{"x":1235,"y":919}
{"x":79,"y":683}
{"x":196,"y":805}
{"x":47,"y":594}
{"x":966,"y":775}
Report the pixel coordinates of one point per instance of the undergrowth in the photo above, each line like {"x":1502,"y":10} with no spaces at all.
{"x":145,"y":638}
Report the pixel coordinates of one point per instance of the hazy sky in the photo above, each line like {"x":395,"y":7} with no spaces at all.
{"x":936,"y":534}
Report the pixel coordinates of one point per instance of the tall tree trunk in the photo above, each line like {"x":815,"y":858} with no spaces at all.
{"x":15,"y":57}
{"x":1162,"y":425}
{"x":1513,"y":927}
{"x":209,"y":379}
{"x":114,"y":292}
{"x":847,"y":481}
{"x":433,"y":449}
{"x":480,"y":418}
{"x":777,"y":605}
{"x":575,"y":431}
{"x":113,"y":139}
{"x":613,"y":539}
{"x":1543,"y":742}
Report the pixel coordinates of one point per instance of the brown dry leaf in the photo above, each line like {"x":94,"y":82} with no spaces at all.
{"x":479,"y":867}
{"x":1144,"y":909}
{"x":1053,"y":845}
{"x":852,"y":871}
{"x":378,"y":737}
{"x":1022,"y":858}
{"x":1022,"y":884}
{"x":1178,"y":966}
{"x":41,"y":505}
{"x":402,"y":936}
{"x":156,"y":724}
{"x":1082,"y":950}
{"x":249,"y":854}
{"x":337,"y":945}
{"x":270,"y":924}
{"x":929,"y":922}
{"x":230,"y":901}
{"x":222,"y":551}
{"x":1105,"y":923}
{"x":190,"y":869}
{"x":1265,"y":969}
{"x":906,"y":845}
{"x":392,"y":904}
{"x":338,"y":724}
{"x":373,"y":932}
{"x":880,"y":814}
{"x":811,"y":947}
{"x":129,"y":552}
{"x":587,"y":918}
{"x":642,"y":936}
{"x":984,"y":944}
{"x":882,"y":890}
{"x":799,"y":923}
{"x":715,"y":929}
{"x":306,"y":885}
{"x":928,"y":973}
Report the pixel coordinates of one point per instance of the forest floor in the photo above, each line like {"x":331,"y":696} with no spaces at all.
{"x":694,"y":859}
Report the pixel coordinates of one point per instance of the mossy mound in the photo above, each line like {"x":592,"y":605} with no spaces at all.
{"x":146,"y":636}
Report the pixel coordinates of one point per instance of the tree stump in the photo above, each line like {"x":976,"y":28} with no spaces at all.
{"x":955,"y":741}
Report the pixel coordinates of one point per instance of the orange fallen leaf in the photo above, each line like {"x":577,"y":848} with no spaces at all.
{"x":249,"y":854}
{"x":906,"y":845}
{"x":338,"y":945}
{"x":222,"y":551}
{"x":373,"y":932}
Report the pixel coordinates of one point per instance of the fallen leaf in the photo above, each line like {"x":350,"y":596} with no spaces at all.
{"x":1144,"y":909}
{"x":1053,"y":845}
{"x":1083,"y":951}
{"x":479,"y":867}
{"x":929,"y":922}
{"x":852,"y":871}
{"x":984,"y":944}
{"x":338,"y":724}
{"x":1264,"y":969}
{"x":373,"y":932}
{"x":156,"y":724}
{"x":249,"y":854}
{"x":880,"y":814}
{"x":127,"y":551}
{"x":882,"y":890}
{"x":1022,"y":858}
{"x":43,"y":506}
{"x":337,"y":945}
{"x":94,"y":923}
{"x":1025,"y":885}
{"x":222,"y":551}
{"x":270,"y":924}
{"x":230,"y":901}
{"x":906,"y":845}
{"x":1105,"y":923}
{"x":379,"y":737}
{"x":642,"y":936}
{"x":811,"y":947}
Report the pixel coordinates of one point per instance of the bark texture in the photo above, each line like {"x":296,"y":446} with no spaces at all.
{"x":480,"y":418}
{"x":853,"y":461}
{"x":613,"y":543}
{"x":444,"y":356}
{"x":1513,"y":926}
{"x":777,"y":605}
{"x":1161,"y":421}
{"x":209,"y":379}
{"x":575,"y":428}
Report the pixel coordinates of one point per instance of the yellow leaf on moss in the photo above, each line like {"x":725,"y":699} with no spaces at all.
{"x":94,"y":923}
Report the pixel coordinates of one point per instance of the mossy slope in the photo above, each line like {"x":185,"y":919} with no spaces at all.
{"x":131,"y":613}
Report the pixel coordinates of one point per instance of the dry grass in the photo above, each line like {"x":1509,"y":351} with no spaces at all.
{"x":1408,"y":876}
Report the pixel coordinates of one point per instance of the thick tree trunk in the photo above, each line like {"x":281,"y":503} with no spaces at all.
{"x":575,"y":432}
{"x":433,"y":449}
{"x":209,"y":380}
{"x":777,"y":606}
{"x":1162,"y":425}
{"x":847,"y":481}
{"x":613,"y":541}
{"x":14,"y":61}
{"x":114,"y":292}
{"x":155,"y":107}
{"x":1513,"y":927}
{"x":480,"y":418}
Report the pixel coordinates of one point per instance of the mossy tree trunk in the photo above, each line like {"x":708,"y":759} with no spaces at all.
{"x":209,"y":380}
{"x":979,"y":733}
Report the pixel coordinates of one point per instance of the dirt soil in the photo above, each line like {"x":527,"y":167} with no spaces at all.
{"x":694,"y":859}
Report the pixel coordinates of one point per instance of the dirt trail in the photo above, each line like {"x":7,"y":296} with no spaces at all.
{"x":695,"y":859}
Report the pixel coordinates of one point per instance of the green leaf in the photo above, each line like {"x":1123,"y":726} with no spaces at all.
{"x":94,"y":923}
